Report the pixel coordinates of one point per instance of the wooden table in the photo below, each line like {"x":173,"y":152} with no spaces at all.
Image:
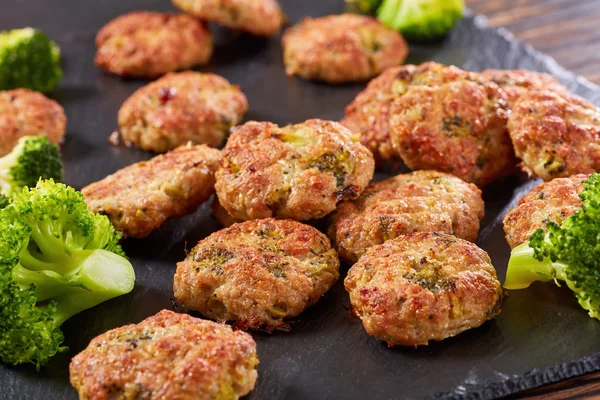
{"x":569,"y":31}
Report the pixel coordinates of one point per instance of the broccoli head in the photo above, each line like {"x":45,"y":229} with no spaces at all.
{"x":28,"y":59}
{"x":33,"y":157}
{"x":57,"y":258}
{"x":421,"y":19}
{"x":4,"y":201}
{"x":569,"y":252}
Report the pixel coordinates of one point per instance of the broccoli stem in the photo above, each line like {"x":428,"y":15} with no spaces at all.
{"x":388,"y":11}
{"x":524,"y":269}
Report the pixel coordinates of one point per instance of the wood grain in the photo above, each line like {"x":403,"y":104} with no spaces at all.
{"x":565,"y":29}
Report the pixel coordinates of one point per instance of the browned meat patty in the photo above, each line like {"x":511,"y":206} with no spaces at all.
{"x":167,"y":356}
{"x":556,"y":135}
{"x":222,"y":215}
{"x":180,"y":108}
{"x":515,"y":82}
{"x":141,"y":197}
{"x":452,"y":121}
{"x":24,"y":112}
{"x":422,"y":287}
{"x":150,"y":44}
{"x":259,"y":17}
{"x":422,"y":201}
{"x":298,"y":171}
{"x":341,"y":48}
{"x":258,"y":273}
{"x":552,"y":201}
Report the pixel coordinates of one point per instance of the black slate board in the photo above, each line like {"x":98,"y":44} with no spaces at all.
{"x":541,"y":336}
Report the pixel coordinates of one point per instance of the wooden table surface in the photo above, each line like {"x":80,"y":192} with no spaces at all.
{"x":569,"y":31}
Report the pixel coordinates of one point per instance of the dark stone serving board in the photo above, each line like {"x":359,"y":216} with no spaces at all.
{"x":541,"y":336}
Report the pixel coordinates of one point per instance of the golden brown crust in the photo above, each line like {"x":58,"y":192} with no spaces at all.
{"x":515,"y":82}
{"x":24,"y":112}
{"x":221,"y":214}
{"x":259,"y":17}
{"x":258,"y":273}
{"x":167,"y":356}
{"x":150,"y":44}
{"x":423,"y":286}
{"x":452,"y":121}
{"x":422,"y":201}
{"x":180,"y":108}
{"x":556,"y":135}
{"x":298,"y":171}
{"x":341,"y":48}
{"x":552,"y":201}
{"x":141,"y":197}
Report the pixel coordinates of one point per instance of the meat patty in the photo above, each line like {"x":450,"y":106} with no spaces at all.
{"x":341,"y":48}
{"x":221,"y":214}
{"x":258,"y":273}
{"x":167,"y":356}
{"x":452,"y":121}
{"x":552,"y":201}
{"x":24,"y":112}
{"x":556,"y":135}
{"x":515,"y":82}
{"x":259,"y":17}
{"x":141,"y":197}
{"x":180,"y":108}
{"x":150,"y":44}
{"x":422,"y":201}
{"x":422,"y":287}
{"x":298,"y":171}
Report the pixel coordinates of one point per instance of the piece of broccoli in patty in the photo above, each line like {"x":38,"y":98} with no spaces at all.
{"x":28,"y":59}
{"x":569,"y":252}
{"x":33,"y":157}
{"x":57,"y":258}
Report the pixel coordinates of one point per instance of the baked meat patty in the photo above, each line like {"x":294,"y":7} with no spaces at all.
{"x":149,"y":44}
{"x":552,"y":201}
{"x":452,"y":121}
{"x":556,"y":135}
{"x":24,"y":112}
{"x":180,"y":108}
{"x":221,"y":214}
{"x":298,"y":171}
{"x":259,"y":17}
{"x":423,"y":286}
{"x":422,"y":201}
{"x":515,"y":82}
{"x":141,"y":197}
{"x":258,"y":273}
{"x":341,"y":48}
{"x":167,"y":356}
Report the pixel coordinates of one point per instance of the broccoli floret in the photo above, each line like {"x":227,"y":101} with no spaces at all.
{"x":57,"y":258}
{"x":569,"y":252}
{"x":4,"y":201}
{"x":28,"y":59}
{"x":33,"y":157}
{"x":421,"y":19}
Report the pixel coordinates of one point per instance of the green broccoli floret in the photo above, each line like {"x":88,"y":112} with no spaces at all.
{"x":569,"y":252}
{"x":57,"y":258}
{"x":421,"y":19}
{"x":33,"y":157}
{"x":4,"y":201}
{"x":28,"y":59}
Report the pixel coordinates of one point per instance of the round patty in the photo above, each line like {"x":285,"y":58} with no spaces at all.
{"x":141,"y":197}
{"x":24,"y":112}
{"x":221,"y":214}
{"x":552,"y":201}
{"x":452,"y":121}
{"x":150,"y":44}
{"x":423,"y":286}
{"x":516,"y":82}
{"x":422,"y":201}
{"x":341,"y":48}
{"x":258,"y":273}
{"x":259,"y":17}
{"x":556,"y":135}
{"x":369,"y":113}
{"x":298,"y":171}
{"x":167,"y":356}
{"x":180,"y":108}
